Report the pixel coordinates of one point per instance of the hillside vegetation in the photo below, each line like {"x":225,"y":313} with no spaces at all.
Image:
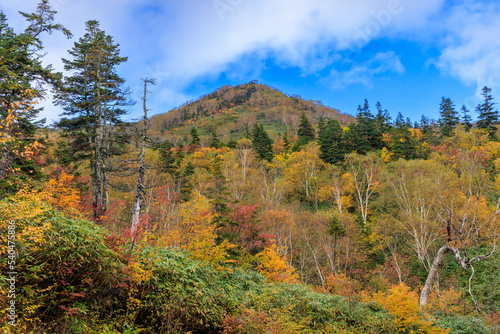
{"x":245,"y":211}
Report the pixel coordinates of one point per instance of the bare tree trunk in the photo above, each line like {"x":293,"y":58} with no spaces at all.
{"x":429,"y":282}
{"x":97,"y":179}
{"x":139,"y":190}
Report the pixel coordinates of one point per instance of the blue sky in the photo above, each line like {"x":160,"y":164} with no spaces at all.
{"x":406,"y":54}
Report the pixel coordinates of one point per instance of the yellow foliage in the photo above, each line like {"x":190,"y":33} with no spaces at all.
{"x":27,"y":210}
{"x":402,"y":303}
{"x":385,"y":155}
{"x":197,"y":232}
{"x":60,"y":194}
{"x":274,"y":267}
{"x":445,"y":301}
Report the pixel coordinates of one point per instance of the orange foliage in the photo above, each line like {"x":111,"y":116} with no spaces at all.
{"x":342,"y":285}
{"x":60,"y":194}
{"x":274,"y":267}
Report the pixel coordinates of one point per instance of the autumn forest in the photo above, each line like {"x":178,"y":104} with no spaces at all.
{"x":246,"y":210}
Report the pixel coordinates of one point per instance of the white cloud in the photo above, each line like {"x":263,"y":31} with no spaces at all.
{"x":180,"y":41}
{"x":362,"y":73}
{"x":471,"y":49}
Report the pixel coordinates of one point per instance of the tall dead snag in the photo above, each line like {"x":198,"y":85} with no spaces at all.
{"x":139,"y":189}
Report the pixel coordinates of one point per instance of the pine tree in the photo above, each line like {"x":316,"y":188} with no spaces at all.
{"x":262,"y":143}
{"x":195,"y":139}
{"x":449,"y":117}
{"x":466,"y":118}
{"x":488,"y":115}
{"x":93,"y":98}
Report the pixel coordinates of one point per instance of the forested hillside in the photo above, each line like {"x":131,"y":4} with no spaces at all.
{"x":244,"y":211}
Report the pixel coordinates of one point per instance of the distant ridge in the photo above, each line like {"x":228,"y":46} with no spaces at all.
{"x":231,"y":111}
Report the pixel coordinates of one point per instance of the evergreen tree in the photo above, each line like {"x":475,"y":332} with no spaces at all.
{"x":331,"y":145}
{"x":195,"y":139}
{"x":321,"y":124}
{"x":215,"y":143}
{"x":232,"y":143}
{"x":167,"y":159}
{"x":488,"y":115}
{"x":306,"y":132}
{"x":218,"y":192}
{"x":449,"y":117}
{"x":365,"y":133}
{"x":400,"y":121}
{"x":466,"y":118}
{"x":382,"y":119}
{"x":93,"y":98}
{"x":22,"y":76}
{"x":186,"y":184}
{"x":262,"y":143}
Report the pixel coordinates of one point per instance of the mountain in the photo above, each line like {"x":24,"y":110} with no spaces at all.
{"x":231,"y":111}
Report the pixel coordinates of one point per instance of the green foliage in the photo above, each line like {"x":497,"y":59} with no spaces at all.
{"x":330,"y":140}
{"x":464,"y":324}
{"x":448,"y":117}
{"x":195,"y":139}
{"x":488,"y":115}
{"x":262,"y":143}
{"x":77,"y":277}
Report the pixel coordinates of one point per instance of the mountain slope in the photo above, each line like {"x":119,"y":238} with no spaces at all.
{"x":231,"y":112}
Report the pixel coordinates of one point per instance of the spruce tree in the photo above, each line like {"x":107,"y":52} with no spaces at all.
{"x":262,"y":143}
{"x":448,"y":117}
{"x":488,"y":115}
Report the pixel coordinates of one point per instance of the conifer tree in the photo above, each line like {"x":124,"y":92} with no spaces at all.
{"x":262,"y":143}
{"x":488,"y":115}
{"x":219,"y":193}
{"x":306,"y":132}
{"x":448,"y":117}
{"x":331,"y":145}
{"x":186,"y":184}
{"x":466,"y":118}
{"x":195,"y":139}
{"x":400,"y":121}
{"x":215,"y":143}
{"x":93,"y":97}
{"x":365,"y":133}
{"x":22,"y":76}
{"x":382,"y":119}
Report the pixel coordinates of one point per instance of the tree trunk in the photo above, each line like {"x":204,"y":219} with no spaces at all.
{"x":136,"y":211}
{"x":429,"y":282}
